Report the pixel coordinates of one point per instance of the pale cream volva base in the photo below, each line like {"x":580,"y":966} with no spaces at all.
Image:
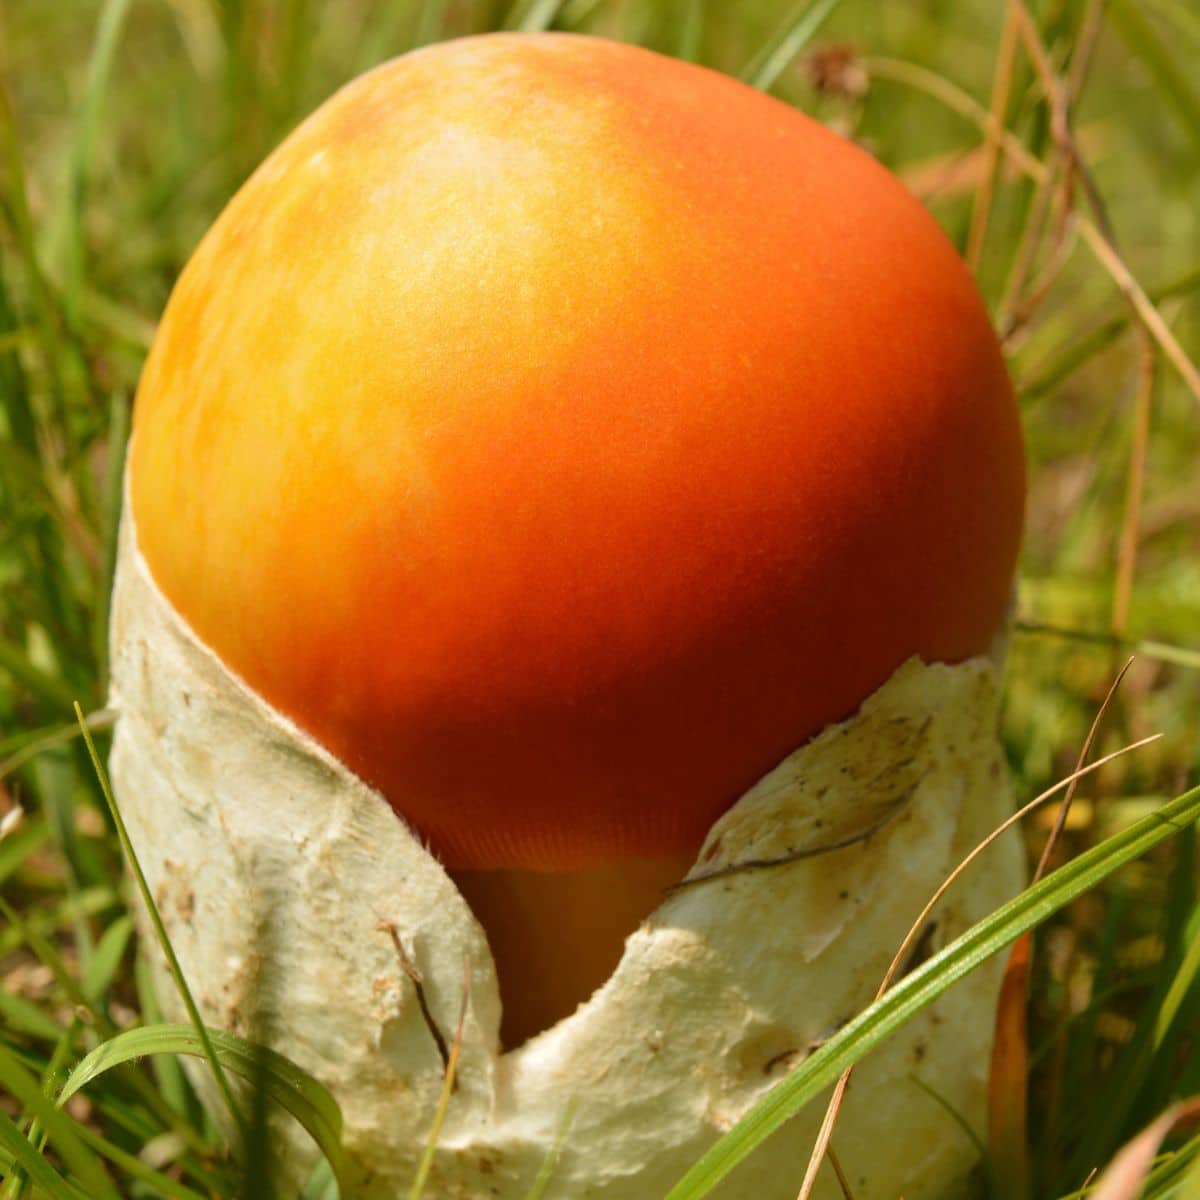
{"x":286,"y":883}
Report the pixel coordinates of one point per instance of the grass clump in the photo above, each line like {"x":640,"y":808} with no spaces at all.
{"x":1058,"y":143}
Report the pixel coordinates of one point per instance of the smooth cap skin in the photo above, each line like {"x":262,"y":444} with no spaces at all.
{"x":563,"y":434}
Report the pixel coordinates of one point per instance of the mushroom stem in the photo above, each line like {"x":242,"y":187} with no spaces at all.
{"x":556,"y":936}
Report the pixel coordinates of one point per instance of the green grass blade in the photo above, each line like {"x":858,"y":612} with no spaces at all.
{"x":285,"y":1083}
{"x":533,"y":16}
{"x":18,"y":412}
{"x":1164,"y":1179}
{"x":298,"y":35}
{"x":58,"y":1127}
{"x":925,"y":984}
{"x":322,"y":1183}
{"x":1181,"y":985}
{"x":160,"y":930}
{"x":105,"y":960}
{"x":384,"y":36}
{"x":1181,"y":15}
{"x":795,"y":33}
{"x":120,"y":411}
{"x":1190,"y":1188}
{"x":134,"y":1169}
{"x":173,"y":1083}
{"x":18,"y":846}
{"x":546,"y":1170}
{"x":16,"y":752}
{"x":20,"y":220}
{"x":22,"y":1154}
{"x":40,"y":923}
{"x":47,"y":688}
{"x":26,"y":931}
{"x":17,"y":1186}
{"x":689,"y":39}
{"x":258,"y":1152}
{"x":108,"y":32}
{"x":1081,"y":351}
{"x":431,"y":23}
{"x":1178,"y":656}
{"x":57,"y":783}
{"x":1177,"y":87}
{"x":19,"y":1015}
{"x":1131,"y":1093}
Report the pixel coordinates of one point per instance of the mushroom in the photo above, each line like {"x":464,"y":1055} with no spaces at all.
{"x":548,"y":440}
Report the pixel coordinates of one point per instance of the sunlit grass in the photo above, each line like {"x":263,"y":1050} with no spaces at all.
{"x":1058,"y":144}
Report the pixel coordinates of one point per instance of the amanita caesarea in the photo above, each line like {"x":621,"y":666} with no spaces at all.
{"x":551,"y":477}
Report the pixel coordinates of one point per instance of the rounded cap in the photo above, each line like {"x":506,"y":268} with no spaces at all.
{"x":563,"y":434}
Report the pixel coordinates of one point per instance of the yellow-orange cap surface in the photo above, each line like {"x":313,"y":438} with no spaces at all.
{"x":562,"y":434}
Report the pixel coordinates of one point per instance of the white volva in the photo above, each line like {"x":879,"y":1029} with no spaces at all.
{"x":303,"y":910}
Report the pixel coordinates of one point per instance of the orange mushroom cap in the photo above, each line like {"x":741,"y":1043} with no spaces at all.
{"x":563,"y":434}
